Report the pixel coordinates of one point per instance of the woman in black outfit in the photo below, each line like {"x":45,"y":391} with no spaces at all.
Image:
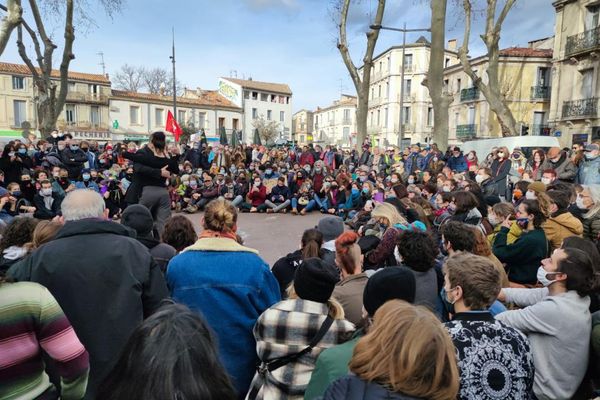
{"x":11,"y":164}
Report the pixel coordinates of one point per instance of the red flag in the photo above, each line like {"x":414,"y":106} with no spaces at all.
{"x":173,"y":126}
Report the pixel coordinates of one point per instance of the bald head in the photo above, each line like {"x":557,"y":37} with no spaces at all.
{"x":82,"y":204}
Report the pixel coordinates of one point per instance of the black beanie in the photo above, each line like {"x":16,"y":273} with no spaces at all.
{"x":388,"y":284}
{"x":315,"y":280}
{"x":138,"y":218}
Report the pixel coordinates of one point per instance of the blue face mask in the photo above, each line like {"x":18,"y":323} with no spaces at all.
{"x":268,"y":171}
{"x":86,"y":177}
{"x":355,"y":191}
{"x":447,"y":305}
{"x":22,"y":151}
{"x":365,"y":190}
{"x":74,"y":148}
{"x":16,"y":193}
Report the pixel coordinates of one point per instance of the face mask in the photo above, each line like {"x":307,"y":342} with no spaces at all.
{"x":546,"y":181}
{"x":493,"y":220}
{"x":56,"y":174}
{"x":579,"y":203}
{"x":589,"y":155}
{"x":307,"y":169}
{"x":268,"y":171}
{"x":251,"y":168}
{"x":523,"y":223}
{"x":86,"y":177}
{"x":355,"y":191}
{"x":22,"y":151}
{"x":61,"y":147}
{"x":501,"y":154}
{"x":257,"y":184}
{"x":530,"y":195}
{"x":446,"y":189}
{"x":362,"y":178}
{"x":220,"y":181}
{"x":318,"y":170}
{"x":74,"y":148}
{"x":543,"y":278}
{"x":411,"y":181}
{"x":46,"y":192}
{"x":233,"y":170}
{"x":11,"y":154}
{"x":479,"y":178}
{"x":85,"y":149}
{"x":54,"y":135}
{"x":16,"y":193}
{"x":194,"y":184}
{"x":365,"y":190}
{"x":448,"y":305}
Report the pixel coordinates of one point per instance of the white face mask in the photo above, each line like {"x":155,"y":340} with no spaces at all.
{"x":579,"y":203}
{"x":530,"y":195}
{"x":501,"y":154}
{"x":493,"y":220}
{"x":542,"y":277}
{"x":446,"y":189}
{"x":546,"y":181}
{"x":479,"y":178}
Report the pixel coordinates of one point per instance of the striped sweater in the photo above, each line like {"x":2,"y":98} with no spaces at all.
{"x":32,"y":322}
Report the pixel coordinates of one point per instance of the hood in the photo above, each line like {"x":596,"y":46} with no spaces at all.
{"x":569,"y":222}
{"x":295,"y":256}
{"x":93,"y":226}
{"x":148,"y":241}
{"x":14,"y":252}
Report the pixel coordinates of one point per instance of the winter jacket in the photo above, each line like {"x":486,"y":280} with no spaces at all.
{"x":103,"y":304}
{"x":41,"y":211}
{"x":489,"y":188}
{"x":231,"y":192}
{"x":287,"y":328}
{"x":285,"y":268}
{"x":458,"y":164}
{"x":257,"y":197}
{"x":73,"y":161}
{"x":500,"y":171}
{"x":193,"y":156}
{"x":351,"y":387}
{"x":349,"y":293}
{"x":307,"y":158}
{"x":591,"y":227}
{"x":161,"y":252}
{"x":12,"y":169}
{"x":524,"y":256}
{"x":589,"y":172}
{"x":566,"y":171}
{"x":561,"y":226}
{"x":472,"y":217}
{"x":231,"y":286}
{"x":277,"y":191}
{"x":413,"y":163}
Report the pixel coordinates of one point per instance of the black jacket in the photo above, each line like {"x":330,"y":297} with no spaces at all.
{"x":285,"y":268}
{"x":146,"y":172}
{"x":279,"y":191}
{"x":41,"y":212}
{"x":73,"y":161}
{"x":351,"y":387}
{"x":105,"y":281}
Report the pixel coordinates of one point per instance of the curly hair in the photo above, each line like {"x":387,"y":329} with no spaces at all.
{"x":18,"y":232}
{"x":418,"y":250}
{"x":179,"y":232}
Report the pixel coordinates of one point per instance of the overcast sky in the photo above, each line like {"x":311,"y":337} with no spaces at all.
{"x":284,"y":41}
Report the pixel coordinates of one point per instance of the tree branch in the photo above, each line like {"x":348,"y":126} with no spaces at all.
{"x":14,"y":13}
{"x":66,"y":59}
{"x":23,"y":53}
{"x":343,"y":46}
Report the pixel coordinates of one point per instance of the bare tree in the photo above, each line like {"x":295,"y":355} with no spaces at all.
{"x":10,"y":21}
{"x":129,"y":78}
{"x":434,"y":81}
{"x":155,"y":79}
{"x":267,"y":129}
{"x":492,"y":90}
{"x":361,"y":81}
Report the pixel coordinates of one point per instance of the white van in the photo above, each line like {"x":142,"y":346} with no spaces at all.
{"x":527,"y":144}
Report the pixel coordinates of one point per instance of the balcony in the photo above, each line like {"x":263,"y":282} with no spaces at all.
{"x":376,"y":101}
{"x":583,"y":42}
{"x":539,"y":130}
{"x":584,"y":108}
{"x":347,"y":121}
{"x":80,"y":97}
{"x":379,"y":75}
{"x":409,"y":68}
{"x":466,"y":132}
{"x":540,"y":92}
{"x":469,"y":94}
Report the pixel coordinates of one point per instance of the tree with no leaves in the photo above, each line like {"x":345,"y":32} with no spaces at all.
{"x":361,"y":81}
{"x":10,"y":21}
{"x":267,"y":130}
{"x":492,"y":90}
{"x":129,"y":78}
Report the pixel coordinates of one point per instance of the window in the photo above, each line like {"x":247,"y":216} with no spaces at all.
{"x":385,"y":117}
{"x":458,"y":84}
{"x":407,"y":87}
{"x":372,"y":93}
{"x":387,"y":90}
{"x":405,"y":115}
{"x":134,"y":115}
{"x":379,"y":91}
{"x":471,"y":115}
{"x":95,"y":115}
{"x":254,"y":113}
{"x":378,"y":117}
{"x":445,"y":89}
{"x":543,"y":76}
{"x":221,"y":122}
{"x":246,"y":94}
{"x":18,"y":82}
{"x":264,"y":97}
{"x":281,"y":116}
{"x":430,"y":116}
{"x":447,"y":63}
{"x":287,"y":100}
{"x":93,"y":89}
{"x":269,"y":114}
{"x":587,"y":80}
{"x":380,"y":66}
{"x":408,"y":60}
{"x":72,"y":87}
{"x":235,"y":123}
{"x":346,"y":135}
{"x":181,"y":116}
{"x":273,"y":98}
{"x":20,"y":110}
{"x":70,"y":114}
{"x":301,"y":138}
{"x":456,"y":119}
{"x":347,"y":117}
{"x":202,"y":120}
{"x":592,"y":18}
{"x":159,"y":117}
{"x":254,"y":95}
{"x":371,"y":124}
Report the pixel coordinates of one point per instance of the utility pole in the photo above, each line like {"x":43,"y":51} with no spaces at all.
{"x":174,"y":80}
{"x":101,"y":54}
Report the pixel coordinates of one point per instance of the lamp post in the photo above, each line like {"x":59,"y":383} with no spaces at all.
{"x":172,"y":57}
{"x":401,"y":100}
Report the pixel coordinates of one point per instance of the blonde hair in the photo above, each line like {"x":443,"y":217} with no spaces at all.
{"x":336,"y":311}
{"x":409,"y":351}
{"x":389,"y":212}
{"x":220,"y":216}
{"x":44,"y":232}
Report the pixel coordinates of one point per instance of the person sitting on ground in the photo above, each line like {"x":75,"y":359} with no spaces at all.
{"x":256,"y":196}
{"x":561,"y":223}
{"x":465,"y":208}
{"x":331,"y":228}
{"x":177,"y":345}
{"x":588,"y":202}
{"x":557,"y":321}
{"x":286,"y":329}
{"x":386,"y":284}
{"x":349,"y":290}
{"x":386,"y":216}
{"x":500,"y":212}
{"x":279,"y":198}
{"x":86,"y":182}
{"x":46,"y":202}
{"x":471,"y":286}
{"x":139,"y":218}
{"x":14,"y":239}
{"x":232,"y":192}
{"x":406,"y":355}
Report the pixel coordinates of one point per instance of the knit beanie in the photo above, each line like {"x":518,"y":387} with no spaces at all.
{"x":315,"y":280}
{"x":331,"y":228}
{"x":138,"y":218}
{"x":388,"y":284}
{"x":537,"y":187}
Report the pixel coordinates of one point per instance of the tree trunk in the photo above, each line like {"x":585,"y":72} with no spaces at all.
{"x":361,"y":119}
{"x":14,"y":12}
{"x":492,"y":91}
{"x":435,"y":77}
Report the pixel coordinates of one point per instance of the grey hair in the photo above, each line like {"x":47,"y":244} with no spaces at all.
{"x":81,"y":204}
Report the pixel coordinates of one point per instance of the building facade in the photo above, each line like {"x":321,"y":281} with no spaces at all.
{"x":336,"y":124}
{"x":385,"y":104}
{"x":574,"y":111}
{"x":271,"y":101}
{"x":85,"y":113}
{"x":302,"y":127}
{"x":135,"y":115}
{"x":525,"y":83}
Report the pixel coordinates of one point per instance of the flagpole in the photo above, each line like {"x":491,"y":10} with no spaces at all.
{"x":174,"y":79}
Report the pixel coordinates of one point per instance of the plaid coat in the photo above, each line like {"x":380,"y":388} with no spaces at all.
{"x":287,"y":328}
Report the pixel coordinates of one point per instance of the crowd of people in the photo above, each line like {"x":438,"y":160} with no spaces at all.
{"x":430,"y":275}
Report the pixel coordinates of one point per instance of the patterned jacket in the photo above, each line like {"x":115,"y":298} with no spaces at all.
{"x":494,"y":360}
{"x":287,"y":328}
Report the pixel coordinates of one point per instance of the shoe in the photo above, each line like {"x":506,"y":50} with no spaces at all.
{"x":177,"y":208}
{"x":294,"y":211}
{"x":303,"y":212}
{"x":284,"y":211}
{"x":191,"y":209}
{"x":253,"y":209}
{"x":270,"y":211}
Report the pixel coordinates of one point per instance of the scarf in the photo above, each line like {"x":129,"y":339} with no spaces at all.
{"x":208,"y":233}
{"x":48,"y":201}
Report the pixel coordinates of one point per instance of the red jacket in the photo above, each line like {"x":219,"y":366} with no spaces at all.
{"x":307,"y":158}
{"x":258,"y":198}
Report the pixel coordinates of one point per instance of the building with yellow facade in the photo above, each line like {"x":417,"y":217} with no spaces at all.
{"x":525,"y":83}
{"x":302,"y":127}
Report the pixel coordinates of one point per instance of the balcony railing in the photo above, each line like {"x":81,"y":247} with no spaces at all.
{"x":409,"y":68}
{"x":540,"y":92}
{"x":347,"y":121}
{"x":87,"y":97}
{"x":583,"y":108}
{"x":583,"y":42}
{"x":469,"y":94}
{"x":468,"y":131}
{"x":539,"y":130}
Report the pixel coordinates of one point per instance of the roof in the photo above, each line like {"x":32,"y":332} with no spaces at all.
{"x":21,"y":69}
{"x":265,"y":86}
{"x":209,"y":98}
{"x":526,"y":52}
{"x":339,"y":103}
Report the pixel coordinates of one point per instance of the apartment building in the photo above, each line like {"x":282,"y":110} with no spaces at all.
{"x":336,"y":124}
{"x":525,"y":80}
{"x":574,"y":110}
{"x":302,"y":127}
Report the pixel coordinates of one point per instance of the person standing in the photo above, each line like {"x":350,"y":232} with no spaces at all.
{"x":589,"y":169}
{"x":229,"y":284}
{"x":500,"y":168}
{"x":103,"y":304}
{"x":73,"y":159}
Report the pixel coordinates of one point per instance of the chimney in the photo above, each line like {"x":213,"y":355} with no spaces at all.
{"x":198,"y":92}
{"x":249,"y":78}
{"x":452,"y":44}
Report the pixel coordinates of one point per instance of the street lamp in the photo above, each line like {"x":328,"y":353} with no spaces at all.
{"x":401,"y":100}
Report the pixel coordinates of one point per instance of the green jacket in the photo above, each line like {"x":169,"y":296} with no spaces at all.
{"x":331,"y":365}
{"x":524,"y":256}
